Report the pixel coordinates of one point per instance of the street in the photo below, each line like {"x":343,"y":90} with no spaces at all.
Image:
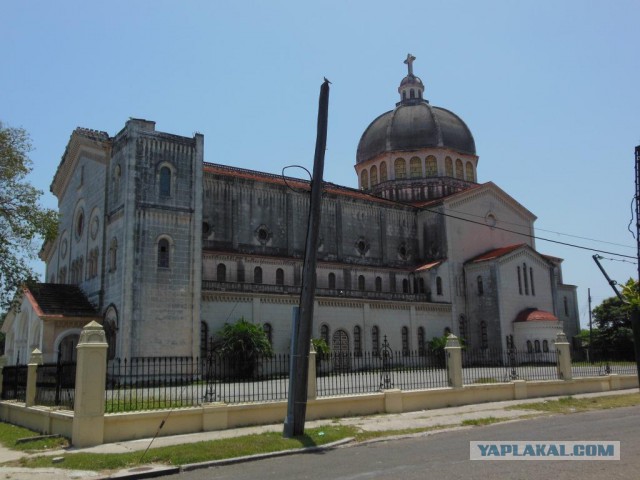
{"x":446,"y":455}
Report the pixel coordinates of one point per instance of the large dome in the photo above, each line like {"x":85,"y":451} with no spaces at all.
{"x":414,"y":124}
{"x":412,"y":127}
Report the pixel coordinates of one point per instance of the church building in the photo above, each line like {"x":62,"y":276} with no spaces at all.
{"x":163,"y":248}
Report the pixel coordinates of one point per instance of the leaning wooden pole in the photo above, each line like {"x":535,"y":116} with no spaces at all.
{"x":299,"y":368}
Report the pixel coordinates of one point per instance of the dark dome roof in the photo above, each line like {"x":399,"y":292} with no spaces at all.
{"x":413,"y":125}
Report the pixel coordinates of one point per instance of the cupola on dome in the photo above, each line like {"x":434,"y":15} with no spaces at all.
{"x":414,"y":124}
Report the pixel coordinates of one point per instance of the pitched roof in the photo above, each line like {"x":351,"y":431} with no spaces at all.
{"x":534,"y":315}
{"x":495,"y":253}
{"x":295,"y":183}
{"x":428,"y":266}
{"x":54,"y":299}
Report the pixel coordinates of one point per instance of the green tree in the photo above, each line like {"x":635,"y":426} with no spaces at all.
{"x":22,"y":220}
{"x":612,"y":318}
{"x":241,"y":344}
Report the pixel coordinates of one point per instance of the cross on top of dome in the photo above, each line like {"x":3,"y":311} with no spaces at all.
{"x":411,"y":87}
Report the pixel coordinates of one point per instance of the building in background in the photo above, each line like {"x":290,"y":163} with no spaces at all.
{"x":166,"y":248}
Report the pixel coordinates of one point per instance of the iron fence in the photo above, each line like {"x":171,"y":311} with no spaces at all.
{"x":367,"y":372}
{"x":174,"y":382}
{"x":55,"y":384}
{"x":586,"y":363}
{"x":14,"y":382}
{"x":496,"y":366}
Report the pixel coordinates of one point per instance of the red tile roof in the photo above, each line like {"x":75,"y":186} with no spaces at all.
{"x":534,"y":315}
{"x":428,"y":266}
{"x":496,"y":253}
{"x":54,"y":299}
{"x":294,"y":183}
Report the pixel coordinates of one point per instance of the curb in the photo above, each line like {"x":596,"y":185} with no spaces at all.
{"x":159,"y":471}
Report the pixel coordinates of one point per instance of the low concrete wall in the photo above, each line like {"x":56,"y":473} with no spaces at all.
{"x":219,"y":416}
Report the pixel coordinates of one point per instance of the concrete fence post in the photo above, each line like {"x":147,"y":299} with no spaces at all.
{"x":32,"y":377}
{"x":3,"y":362}
{"x":453,"y":354}
{"x":564,"y":357}
{"x":91,"y":371}
{"x":312,"y":391}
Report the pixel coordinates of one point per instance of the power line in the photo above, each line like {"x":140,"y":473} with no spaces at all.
{"x":528,"y":235}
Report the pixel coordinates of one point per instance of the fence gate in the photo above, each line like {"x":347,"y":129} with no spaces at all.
{"x":340,"y":351}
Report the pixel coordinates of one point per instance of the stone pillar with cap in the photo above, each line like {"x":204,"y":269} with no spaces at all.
{"x":91,"y":370}
{"x":564,"y":357}
{"x":32,"y":376}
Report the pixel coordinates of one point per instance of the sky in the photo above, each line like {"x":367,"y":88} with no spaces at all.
{"x":548,"y":88}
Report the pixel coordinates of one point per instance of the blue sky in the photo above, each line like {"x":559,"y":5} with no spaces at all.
{"x":548,"y":88}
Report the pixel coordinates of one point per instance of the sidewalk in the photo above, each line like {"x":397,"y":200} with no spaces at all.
{"x":451,"y":417}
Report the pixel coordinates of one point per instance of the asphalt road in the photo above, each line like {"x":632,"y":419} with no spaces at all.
{"x":446,"y":455}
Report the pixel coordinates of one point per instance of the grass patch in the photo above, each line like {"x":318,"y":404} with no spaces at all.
{"x":195,"y":452}
{"x":362,"y":436}
{"x":476,"y":422}
{"x":10,"y":434}
{"x":573,"y":405}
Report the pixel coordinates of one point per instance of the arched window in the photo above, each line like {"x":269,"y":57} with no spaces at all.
{"x":432,"y":166}
{"x":462,"y":327}
{"x":448,"y":167}
{"x":163,"y":253}
{"x":332,"y":280}
{"x":545,"y":346}
{"x":364,"y":180}
{"x":405,"y":286}
{"x":113,"y":255}
{"x":405,"y":342}
{"x":374,"y":175}
{"x":257,"y":275}
{"x":564,"y":301}
{"x":375,"y":341}
{"x":268,"y":332}
{"x":484,"y":340}
{"x":324,"y":333}
{"x":469,"y":173}
{"x":221,"y":273}
{"x":459,"y":172}
{"x":383,"y":171}
{"x":421,"y":285}
{"x":529,"y":346}
{"x":361,"y":283}
{"x":378,"y":284}
{"x":279,"y":276}
{"x":421,"y":342}
{"x":117,"y":174}
{"x":480,"y":286}
{"x":412,"y":93}
{"x":62,"y":277}
{"x":357,"y":341}
{"x":79,"y":224}
{"x":165,"y":182}
{"x":526,"y":280}
{"x":438,"y":285}
{"x":415,"y":166}
{"x":537,"y":346}
{"x":400,"y":168}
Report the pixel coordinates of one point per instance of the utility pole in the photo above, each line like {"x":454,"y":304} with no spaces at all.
{"x":299,"y":368}
{"x":590,"y":351}
{"x":635,"y":314}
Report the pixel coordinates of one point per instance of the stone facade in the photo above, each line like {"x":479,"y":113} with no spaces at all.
{"x":168,"y":247}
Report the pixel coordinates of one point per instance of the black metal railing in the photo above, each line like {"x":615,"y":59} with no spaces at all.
{"x":496,"y":366}
{"x":348,"y":373}
{"x":56,"y":383}
{"x":14,"y":382}
{"x":596,"y":362}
